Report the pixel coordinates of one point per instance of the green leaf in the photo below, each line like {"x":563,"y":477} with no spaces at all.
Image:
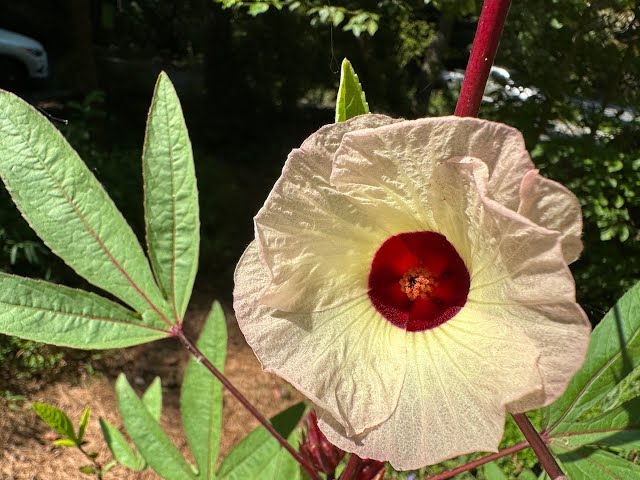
{"x":256,"y":8}
{"x":595,"y":464}
{"x":84,"y":420}
{"x":628,"y":389}
{"x":45,"y":312}
{"x":170,"y":197}
{"x":201,"y":395}
{"x":56,"y":419}
{"x":259,"y":455}
{"x":493,"y":472}
{"x":527,"y":474}
{"x":88,"y":469}
{"x":152,"y":399}
{"x":64,"y":442}
{"x":351,"y":99}
{"x":119,"y":447}
{"x":70,"y":211}
{"x":148,"y":437}
{"x":578,"y":417}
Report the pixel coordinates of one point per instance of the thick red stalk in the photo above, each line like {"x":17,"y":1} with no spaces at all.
{"x":483,"y":51}
{"x":480,"y":461}
{"x":539,"y":447}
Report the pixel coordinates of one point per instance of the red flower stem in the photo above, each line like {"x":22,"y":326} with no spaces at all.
{"x":352,"y":468}
{"x":539,"y":447}
{"x":197,"y":354}
{"x":480,"y":461}
{"x":483,"y":51}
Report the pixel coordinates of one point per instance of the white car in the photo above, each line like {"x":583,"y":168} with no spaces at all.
{"x":21,"y":58}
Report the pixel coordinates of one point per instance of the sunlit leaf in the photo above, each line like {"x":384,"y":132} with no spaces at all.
{"x":152,"y":398}
{"x":201,"y":395}
{"x":148,"y":437}
{"x":58,"y":315}
{"x":351,"y":99}
{"x":170,"y":197}
{"x":64,"y":442}
{"x":595,"y":464}
{"x":493,"y":472}
{"x":259,"y":455}
{"x":69,"y":209}
{"x":84,"y":420}
{"x":579,"y":417}
{"x":119,"y":447}
{"x":56,"y":419}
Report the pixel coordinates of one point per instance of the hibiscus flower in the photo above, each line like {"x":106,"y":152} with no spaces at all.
{"x":410,"y":278}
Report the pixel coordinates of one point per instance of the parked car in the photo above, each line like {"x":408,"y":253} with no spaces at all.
{"x":22,"y":59}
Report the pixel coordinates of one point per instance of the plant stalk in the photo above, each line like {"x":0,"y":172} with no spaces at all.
{"x":483,"y":52}
{"x":539,"y":447}
{"x":197,"y":354}
{"x":480,"y":461}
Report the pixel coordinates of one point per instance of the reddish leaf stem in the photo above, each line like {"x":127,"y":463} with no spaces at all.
{"x":480,"y":461}
{"x":483,"y":51}
{"x":197,"y":354}
{"x":539,"y":447}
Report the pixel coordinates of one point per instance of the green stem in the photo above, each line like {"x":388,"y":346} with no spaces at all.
{"x":93,"y":460}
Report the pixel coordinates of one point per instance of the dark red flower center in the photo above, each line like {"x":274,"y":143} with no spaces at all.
{"x":418,"y":281}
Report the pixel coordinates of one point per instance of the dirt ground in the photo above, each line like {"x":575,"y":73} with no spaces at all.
{"x":26,"y":452}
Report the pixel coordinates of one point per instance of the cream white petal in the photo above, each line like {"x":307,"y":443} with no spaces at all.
{"x":348,"y":360}
{"x":317,"y":246}
{"x":519,"y":275}
{"x":388,"y":170}
{"x":460,"y":377}
{"x":511,"y":259}
{"x":551,"y":205}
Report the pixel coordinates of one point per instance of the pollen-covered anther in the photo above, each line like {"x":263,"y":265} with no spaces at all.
{"x":418,"y":282}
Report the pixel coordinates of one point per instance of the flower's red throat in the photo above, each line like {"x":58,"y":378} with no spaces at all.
{"x":418,"y":281}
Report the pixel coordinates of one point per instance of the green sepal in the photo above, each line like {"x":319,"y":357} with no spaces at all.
{"x":351,"y":100}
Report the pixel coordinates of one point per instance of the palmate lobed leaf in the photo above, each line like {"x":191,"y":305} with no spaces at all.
{"x":201,"y":395}
{"x":351,"y":100}
{"x":151,"y":441}
{"x":45,"y":312}
{"x":71,"y":212}
{"x":170,"y":197}
{"x":259,"y":455}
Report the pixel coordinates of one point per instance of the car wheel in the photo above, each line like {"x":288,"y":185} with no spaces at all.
{"x":13,"y":74}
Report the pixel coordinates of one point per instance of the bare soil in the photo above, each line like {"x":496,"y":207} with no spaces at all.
{"x":26,"y":452}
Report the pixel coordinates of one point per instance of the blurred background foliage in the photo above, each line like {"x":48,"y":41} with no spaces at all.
{"x":257,"y":77}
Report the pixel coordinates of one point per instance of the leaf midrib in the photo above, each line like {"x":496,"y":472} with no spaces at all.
{"x":82,"y":315}
{"x":87,"y":226}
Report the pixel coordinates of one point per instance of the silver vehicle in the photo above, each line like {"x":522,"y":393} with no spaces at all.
{"x":21,"y":59}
